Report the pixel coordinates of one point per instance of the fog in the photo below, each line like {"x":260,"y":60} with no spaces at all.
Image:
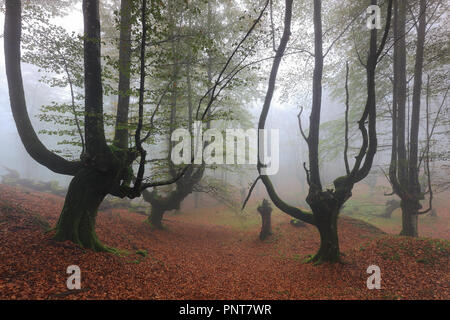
{"x":351,"y":110}
{"x":290,"y":180}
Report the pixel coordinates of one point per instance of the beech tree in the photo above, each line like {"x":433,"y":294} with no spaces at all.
{"x":326,"y":204}
{"x":204,"y":53}
{"x":102,"y":168}
{"x":406,"y":158}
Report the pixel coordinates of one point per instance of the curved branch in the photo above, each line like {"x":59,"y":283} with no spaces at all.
{"x":283,"y":206}
{"x":299,"y":117}
{"x":213,"y":96}
{"x":164,"y":182}
{"x":347,"y":107}
{"x":386,"y":29}
{"x":369,"y":145}
{"x":250,"y":192}
{"x":31,"y":142}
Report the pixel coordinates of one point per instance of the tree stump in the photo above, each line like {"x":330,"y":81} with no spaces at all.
{"x":265,"y":211}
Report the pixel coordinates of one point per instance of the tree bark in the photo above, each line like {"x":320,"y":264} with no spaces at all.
{"x":411,"y":203}
{"x":326,"y":207}
{"x":400,"y":90}
{"x":156,"y":216}
{"x":410,"y":218}
{"x":77,"y":220}
{"x":415,"y":116}
{"x":329,"y":241}
{"x":265,"y":211}
{"x":121,"y":131}
{"x":314,"y":122}
{"x":94,"y":128}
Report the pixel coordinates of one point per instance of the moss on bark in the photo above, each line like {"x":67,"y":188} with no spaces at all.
{"x":410,"y":218}
{"x":77,"y":220}
{"x":156,"y":216}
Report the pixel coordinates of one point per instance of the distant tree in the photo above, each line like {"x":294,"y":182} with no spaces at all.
{"x":265,"y":211}
{"x":203,"y":52}
{"x":391,"y":206}
{"x":406,"y":158}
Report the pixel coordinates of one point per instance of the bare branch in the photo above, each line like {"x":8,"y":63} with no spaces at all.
{"x":299,"y":117}
{"x":341,"y":34}
{"x":290,"y":210}
{"x":165,"y":182}
{"x":219,"y":78}
{"x":250,"y":192}
{"x":154,"y":113}
{"x":347,"y":167}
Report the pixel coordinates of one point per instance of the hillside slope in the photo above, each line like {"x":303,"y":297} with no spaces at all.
{"x":200,"y":259}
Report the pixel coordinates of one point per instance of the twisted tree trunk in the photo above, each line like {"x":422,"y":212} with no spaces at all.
{"x":156,"y":216}
{"x":77,"y":220}
{"x":326,"y":205}
{"x":329,"y":241}
{"x":325,"y":208}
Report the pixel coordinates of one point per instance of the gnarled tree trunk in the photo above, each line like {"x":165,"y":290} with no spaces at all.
{"x":77,"y":220}
{"x":329,"y":241}
{"x":325,"y":208}
{"x":156,"y":216}
{"x":326,"y":205}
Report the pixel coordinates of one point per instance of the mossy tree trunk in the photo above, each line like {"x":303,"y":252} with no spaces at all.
{"x":329,"y":241}
{"x":156,"y":217}
{"x":77,"y":220}
{"x":325,"y":206}
{"x":410,"y":218}
{"x":99,"y":171}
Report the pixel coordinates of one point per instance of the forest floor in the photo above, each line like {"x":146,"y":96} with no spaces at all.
{"x":208,"y":254}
